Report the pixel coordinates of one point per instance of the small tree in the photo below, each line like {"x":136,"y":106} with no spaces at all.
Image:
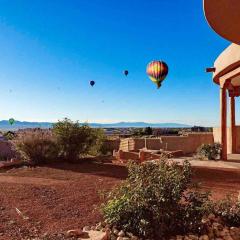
{"x":148,"y":131}
{"x":74,"y":140}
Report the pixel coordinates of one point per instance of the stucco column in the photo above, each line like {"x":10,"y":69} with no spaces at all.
{"x":233,"y":124}
{"x":223,"y":123}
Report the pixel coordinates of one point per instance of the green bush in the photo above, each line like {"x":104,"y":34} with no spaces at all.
{"x":210,"y":151}
{"x":229,"y":211}
{"x":75,"y":141}
{"x":37,"y":146}
{"x":197,"y":206}
{"x":150,"y":203}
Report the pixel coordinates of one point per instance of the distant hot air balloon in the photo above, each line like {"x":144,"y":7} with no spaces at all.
{"x":11,"y":121}
{"x":92,"y":83}
{"x":157,"y":72}
{"x":125,"y":72}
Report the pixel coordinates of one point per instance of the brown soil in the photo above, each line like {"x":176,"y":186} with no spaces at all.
{"x":60,"y":197}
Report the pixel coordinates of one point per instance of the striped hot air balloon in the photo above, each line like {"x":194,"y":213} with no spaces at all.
{"x":157,"y":72}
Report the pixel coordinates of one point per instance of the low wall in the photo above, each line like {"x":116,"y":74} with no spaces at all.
{"x":111,"y":145}
{"x":188,"y":144}
{"x":144,"y":155}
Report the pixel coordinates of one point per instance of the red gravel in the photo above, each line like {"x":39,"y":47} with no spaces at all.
{"x":60,"y":197}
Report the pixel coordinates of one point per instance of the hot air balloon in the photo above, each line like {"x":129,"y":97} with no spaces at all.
{"x":157,"y":72}
{"x":125,"y":72}
{"x":92,"y":83}
{"x":11,"y":121}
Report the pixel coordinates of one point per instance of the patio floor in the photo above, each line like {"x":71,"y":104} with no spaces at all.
{"x":233,"y":162}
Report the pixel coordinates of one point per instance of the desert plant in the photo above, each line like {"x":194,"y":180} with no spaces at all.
{"x":228,"y":210}
{"x":209,"y":151}
{"x":36,"y":146}
{"x":150,"y":203}
{"x":9,"y":135}
{"x":74,"y":140}
{"x":197,"y":206}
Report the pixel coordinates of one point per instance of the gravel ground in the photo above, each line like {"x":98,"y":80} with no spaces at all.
{"x":55,"y":198}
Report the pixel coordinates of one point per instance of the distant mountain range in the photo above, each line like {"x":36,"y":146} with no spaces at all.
{"x":5,"y":125}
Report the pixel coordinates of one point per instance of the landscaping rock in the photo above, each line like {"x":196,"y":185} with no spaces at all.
{"x":121,"y":233}
{"x":86,"y":228}
{"x":204,"y":237}
{"x":74,"y":233}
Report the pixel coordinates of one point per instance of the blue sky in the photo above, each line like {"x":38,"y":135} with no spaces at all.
{"x":50,"y":50}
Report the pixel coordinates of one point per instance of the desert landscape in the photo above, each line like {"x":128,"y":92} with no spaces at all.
{"x":111,"y":126}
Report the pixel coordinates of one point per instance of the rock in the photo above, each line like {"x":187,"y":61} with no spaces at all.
{"x":74,"y":233}
{"x":119,"y":238}
{"x":211,"y":217}
{"x":113,"y":237}
{"x":224,"y":232}
{"x":107,"y":226}
{"x":115,"y":231}
{"x":205,"y":220}
{"x":179,"y":237}
{"x":134,"y":238}
{"x":227,"y":238}
{"x":218,"y":226}
{"x":235,"y":233}
{"x":86,"y":229}
{"x":97,"y":235}
{"x":107,"y":235}
{"x":99,"y":227}
{"x":210,"y":233}
{"x":121,"y":233}
{"x":125,"y":238}
{"x":204,"y":237}
{"x":193,"y":237}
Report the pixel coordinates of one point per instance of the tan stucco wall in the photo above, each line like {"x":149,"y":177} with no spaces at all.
{"x":188,"y":144}
{"x":217,"y":138}
{"x":227,"y":61}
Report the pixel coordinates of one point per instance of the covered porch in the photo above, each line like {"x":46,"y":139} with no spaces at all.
{"x":226,"y":73}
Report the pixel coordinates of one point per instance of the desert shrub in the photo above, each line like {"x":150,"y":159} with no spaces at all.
{"x":197,"y":206}
{"x":74,"y":140}
{"x":210,"y":151}
{"x":9,"y":135}
{"x":153,"y":202}
{"x":228,"y":210}
{"x":36,"y":146}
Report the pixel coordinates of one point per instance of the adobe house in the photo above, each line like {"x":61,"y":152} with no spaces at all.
{"x":224,"y":17}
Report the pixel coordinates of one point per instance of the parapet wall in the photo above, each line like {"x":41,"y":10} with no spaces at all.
{"x":188,"y":144}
